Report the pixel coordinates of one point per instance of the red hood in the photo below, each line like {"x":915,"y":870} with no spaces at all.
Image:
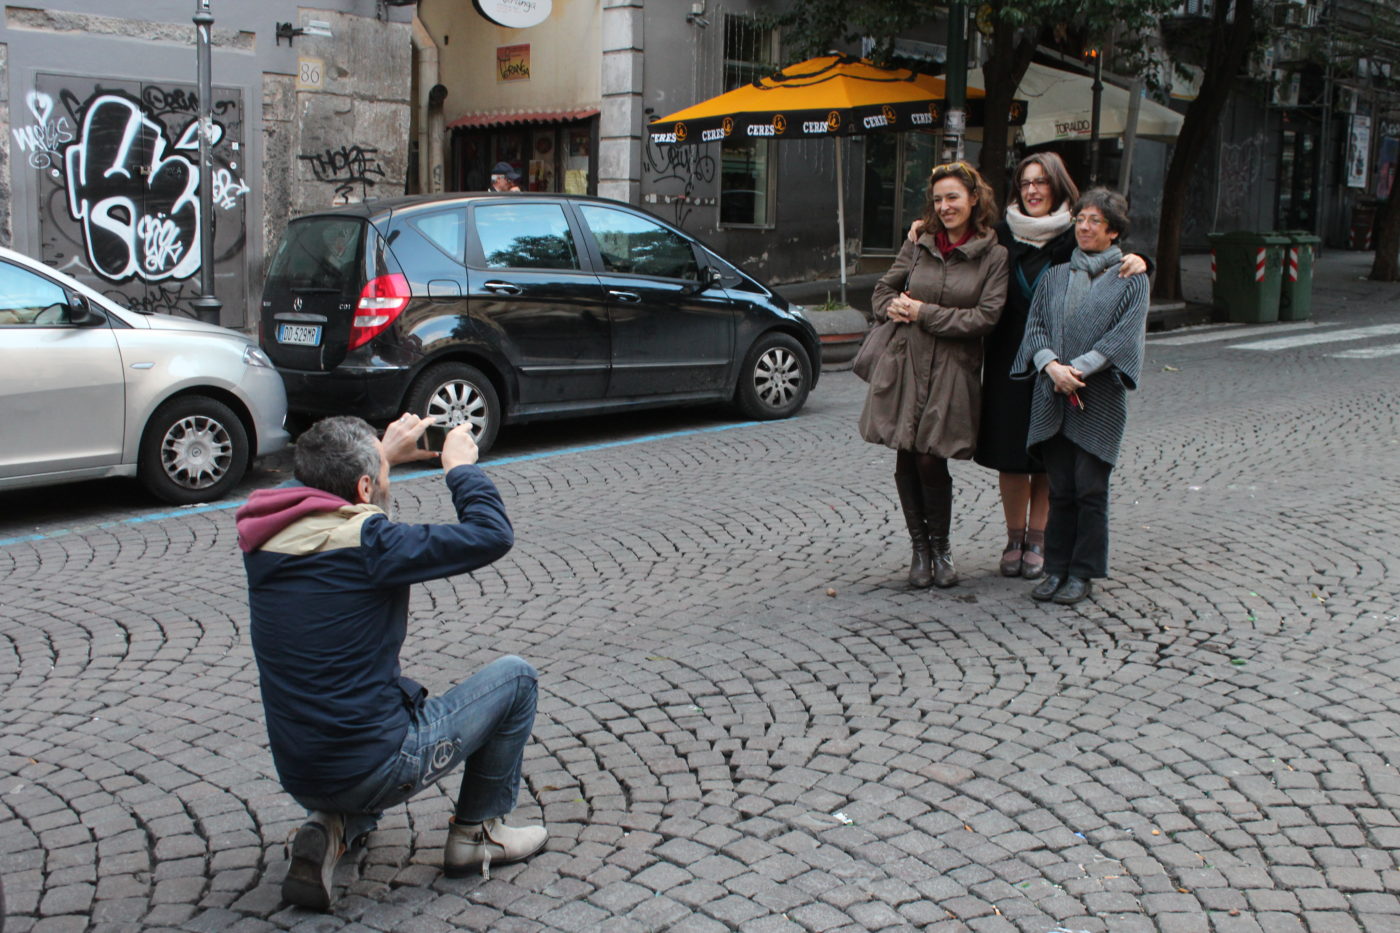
{"x":268,"y":511}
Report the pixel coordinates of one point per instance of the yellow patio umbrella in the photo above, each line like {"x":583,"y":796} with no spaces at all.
{"x":831,"y":95}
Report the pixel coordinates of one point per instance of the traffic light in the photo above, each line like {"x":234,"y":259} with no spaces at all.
{"x":1091,"y":57}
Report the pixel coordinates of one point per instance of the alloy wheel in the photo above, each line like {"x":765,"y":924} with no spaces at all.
{"x":777,"y":376}
{"x":457,"y":403}
{"x":196,"y":452}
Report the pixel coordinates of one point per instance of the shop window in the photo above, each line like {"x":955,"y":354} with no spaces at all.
{"x":576,"y":159}
{"x":549,"y":157}
{"x":896,"y":179}
{"x":543,"y":142}
{"x":636,"y":246}
{"x":746,"y":165}
{"x":524,"y":236}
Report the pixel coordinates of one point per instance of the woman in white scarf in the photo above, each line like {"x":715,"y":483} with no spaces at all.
{"x":1038,"y":233}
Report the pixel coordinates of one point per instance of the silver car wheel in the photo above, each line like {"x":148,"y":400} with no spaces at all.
{"x":196,"y":452}
{"x":777,"y":376}
{"x":458,"y":402}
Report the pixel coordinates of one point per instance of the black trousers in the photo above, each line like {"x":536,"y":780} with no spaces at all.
{"x":1076,"y":537}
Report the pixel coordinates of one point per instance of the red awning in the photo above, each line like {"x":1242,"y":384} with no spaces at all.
{"x":520,"y":117}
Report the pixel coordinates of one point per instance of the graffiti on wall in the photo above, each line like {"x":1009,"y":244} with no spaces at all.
{"x":119,"y":200}
{"x":676,"y":174}
{"x":159,"y":299}
{"x":1241,"y":168}
{"x":136,"y":196}
{"x":347,"y":169}
{"x":42,"y":141}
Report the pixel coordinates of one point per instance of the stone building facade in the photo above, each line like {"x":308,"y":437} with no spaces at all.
{"x":99,"y":165}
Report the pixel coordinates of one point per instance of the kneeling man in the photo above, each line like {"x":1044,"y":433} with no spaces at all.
{"x":328,"y":588}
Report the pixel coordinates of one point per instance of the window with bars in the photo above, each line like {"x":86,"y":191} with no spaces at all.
{"x":746,"y":176}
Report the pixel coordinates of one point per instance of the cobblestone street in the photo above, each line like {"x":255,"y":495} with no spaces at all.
{"x":748,"y":721}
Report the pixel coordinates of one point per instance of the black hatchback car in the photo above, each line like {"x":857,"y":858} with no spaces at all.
{"x":492,"y":309}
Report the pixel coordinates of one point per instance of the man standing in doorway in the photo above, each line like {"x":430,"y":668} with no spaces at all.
{"x":504,"y":177}
{"x":329,"y":574}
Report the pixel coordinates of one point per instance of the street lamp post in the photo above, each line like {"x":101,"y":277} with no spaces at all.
{"x":206,"y":306}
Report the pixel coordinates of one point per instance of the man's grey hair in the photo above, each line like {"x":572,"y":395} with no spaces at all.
{"x":335,"y":453}
{"x":1111,"y":204}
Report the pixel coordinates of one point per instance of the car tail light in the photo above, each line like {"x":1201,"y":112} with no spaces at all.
{"x":382,"y":299}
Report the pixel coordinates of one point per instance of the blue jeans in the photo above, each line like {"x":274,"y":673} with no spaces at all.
{"x":484,"y":721}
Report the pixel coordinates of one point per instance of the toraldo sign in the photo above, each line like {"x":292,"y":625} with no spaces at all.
{"x":516,"y":14}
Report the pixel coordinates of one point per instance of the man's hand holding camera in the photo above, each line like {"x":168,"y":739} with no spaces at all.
{"x":403,"y":436}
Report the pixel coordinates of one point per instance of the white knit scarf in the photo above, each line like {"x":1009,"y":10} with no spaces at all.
{"x":1037,"y":231}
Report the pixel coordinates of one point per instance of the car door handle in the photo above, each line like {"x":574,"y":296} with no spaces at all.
{"x":629,"y":297}
{"x":502,"y":288}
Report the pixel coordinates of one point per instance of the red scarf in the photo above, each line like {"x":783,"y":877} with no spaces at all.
{"x":945,"y":247}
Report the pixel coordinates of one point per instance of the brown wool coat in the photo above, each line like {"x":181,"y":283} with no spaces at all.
{"x":925,"y":391}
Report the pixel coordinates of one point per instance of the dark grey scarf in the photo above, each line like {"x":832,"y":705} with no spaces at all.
{"x":1083,"y":269}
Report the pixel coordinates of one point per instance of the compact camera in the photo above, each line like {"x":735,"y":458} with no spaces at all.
{"x":434,"y":437}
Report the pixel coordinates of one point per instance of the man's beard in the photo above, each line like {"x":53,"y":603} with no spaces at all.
{"x":382,"y":498}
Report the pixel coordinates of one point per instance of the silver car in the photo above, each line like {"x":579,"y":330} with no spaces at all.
{"x":90,"y":389}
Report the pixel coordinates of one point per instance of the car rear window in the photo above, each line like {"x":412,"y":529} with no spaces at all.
{"x":524,"y":236}
{"x":445,"y":230}
{"x":320,"y":254}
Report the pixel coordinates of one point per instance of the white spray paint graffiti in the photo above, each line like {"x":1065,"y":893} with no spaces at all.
{"x":136,"y":195}
{"x":227,"y":188}
{"x":41,"y":141}
{"x":134,"y":201}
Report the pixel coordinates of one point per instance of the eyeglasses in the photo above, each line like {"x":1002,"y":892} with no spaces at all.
{"x":1093,"y":220}
{"x":1030,"y":183}
{"x":952,"y":167}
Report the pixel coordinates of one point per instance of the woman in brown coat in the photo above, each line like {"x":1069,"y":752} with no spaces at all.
{"x":945,"y":292}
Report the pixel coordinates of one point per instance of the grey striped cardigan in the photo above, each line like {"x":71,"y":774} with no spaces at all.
{"x":1111,"y":321}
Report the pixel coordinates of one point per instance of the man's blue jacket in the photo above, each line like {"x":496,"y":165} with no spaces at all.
{"x":328,"y":588}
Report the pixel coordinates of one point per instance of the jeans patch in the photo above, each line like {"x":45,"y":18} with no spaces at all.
{"x":441,"y":758}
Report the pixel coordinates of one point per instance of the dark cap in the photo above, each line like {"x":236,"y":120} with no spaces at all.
{"x":506,"y":169}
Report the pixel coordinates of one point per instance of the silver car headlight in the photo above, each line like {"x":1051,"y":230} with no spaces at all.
{"x":799,"y":312}
{"x":253,"y":356}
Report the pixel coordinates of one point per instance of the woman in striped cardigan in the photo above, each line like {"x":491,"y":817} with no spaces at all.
{"x":1083,"y":347}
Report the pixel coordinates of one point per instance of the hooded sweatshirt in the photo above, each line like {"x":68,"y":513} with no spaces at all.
{"x":328,"y":590}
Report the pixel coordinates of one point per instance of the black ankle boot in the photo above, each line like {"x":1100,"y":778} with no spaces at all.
{"x":938,"y":512}
{"x":910,"y":499}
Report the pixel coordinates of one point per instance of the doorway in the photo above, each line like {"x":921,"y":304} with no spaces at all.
{"x":1297,"y":179}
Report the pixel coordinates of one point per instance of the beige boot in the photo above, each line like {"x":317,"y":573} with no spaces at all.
{"x":472,"y":844}
{"x":316,"y":848}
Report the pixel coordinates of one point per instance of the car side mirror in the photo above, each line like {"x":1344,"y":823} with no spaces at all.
{"x":80,"y":313}
{"x":713,"y":277}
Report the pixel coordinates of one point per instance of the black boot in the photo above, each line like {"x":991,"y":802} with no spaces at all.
{"x":920,"y":574}
{"x":938,"y":512}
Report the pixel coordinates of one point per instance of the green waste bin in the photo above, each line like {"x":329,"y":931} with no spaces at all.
{"x":1295,"y":300}
{"x":1247,"y":272}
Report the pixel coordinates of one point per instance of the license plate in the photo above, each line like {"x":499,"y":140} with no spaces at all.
{"x":306,"y":335}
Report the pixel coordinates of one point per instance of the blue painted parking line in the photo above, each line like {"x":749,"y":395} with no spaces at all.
{"x":398,"y":477}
